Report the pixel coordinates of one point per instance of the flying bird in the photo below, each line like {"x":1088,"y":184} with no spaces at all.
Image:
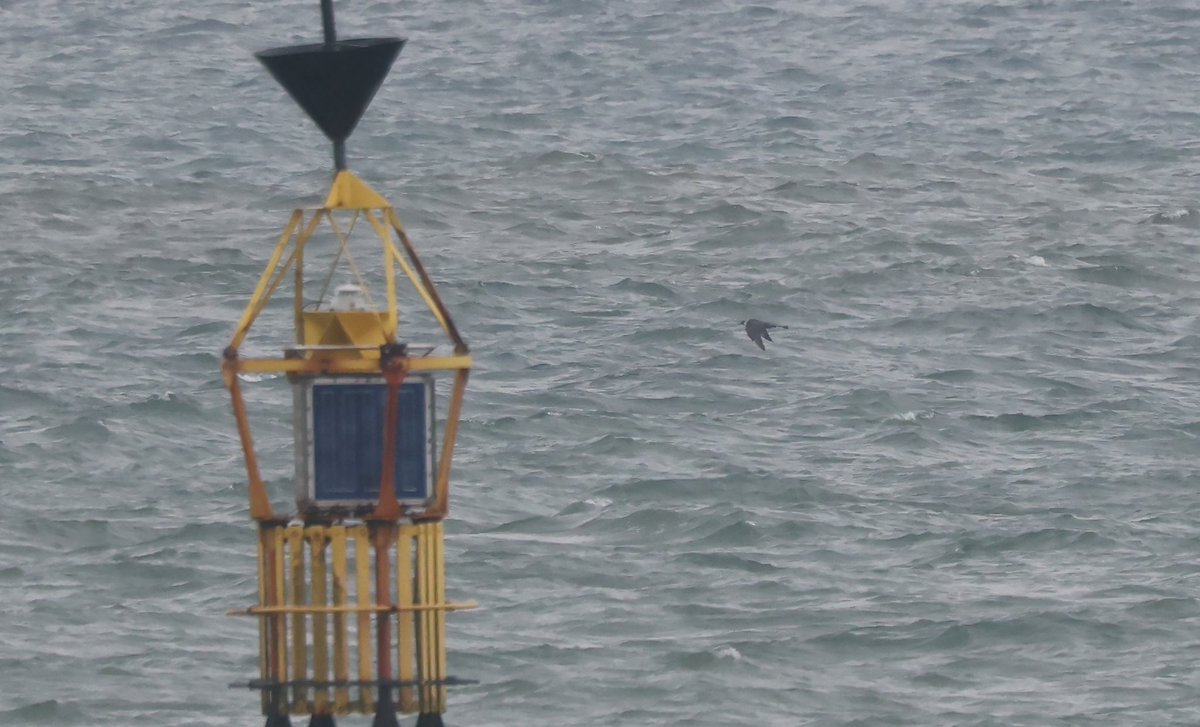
{"x":758,"y":330}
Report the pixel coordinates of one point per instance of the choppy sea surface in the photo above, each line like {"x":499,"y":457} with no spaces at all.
{"x":960,"y":489}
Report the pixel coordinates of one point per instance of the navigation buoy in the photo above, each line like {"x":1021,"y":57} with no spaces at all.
{"x":351,"y":585}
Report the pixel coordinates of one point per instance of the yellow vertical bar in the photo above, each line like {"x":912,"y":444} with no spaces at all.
{"x":320,"y":635}
{"x":426,"y":619}
{"x":431,"y":586}
{"x":405,"y":648}
{"x":422,"y":620}
{"x":362,"y":566}
{"x":280,"y":620}
{"x":264,"y":624}
{"x":341,"y":659}
{"x":297,"y":596}
{"x":298,"y":301}
{"x":389,"y":269}
{"x":439,"y":595}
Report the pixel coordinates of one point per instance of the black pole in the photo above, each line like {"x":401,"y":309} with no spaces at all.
{"x":327,"y":24}
{"x":339,"y":146}
{"x":339,"y":155}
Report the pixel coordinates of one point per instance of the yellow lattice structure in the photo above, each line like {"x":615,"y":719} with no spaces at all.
{"x":351,"y":603}
{"x":326,"y":630}
{"x":351,"y":587}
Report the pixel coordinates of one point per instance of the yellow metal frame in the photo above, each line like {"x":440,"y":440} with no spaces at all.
{"x":302,"y":562}
{"x":342,"y":629}
{"x":348,"y":192}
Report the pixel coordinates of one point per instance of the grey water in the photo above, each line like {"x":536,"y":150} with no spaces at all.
{"x":960,"y":489}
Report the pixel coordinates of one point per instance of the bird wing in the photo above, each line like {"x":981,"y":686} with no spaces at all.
{"x":767,"y":335}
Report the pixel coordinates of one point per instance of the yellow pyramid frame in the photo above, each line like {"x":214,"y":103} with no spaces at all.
{"x":348,"y":192}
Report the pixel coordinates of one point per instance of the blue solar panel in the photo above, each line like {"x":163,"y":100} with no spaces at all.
{"x":347,"y":441}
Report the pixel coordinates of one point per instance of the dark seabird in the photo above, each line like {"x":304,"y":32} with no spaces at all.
{"x":758,"y":330}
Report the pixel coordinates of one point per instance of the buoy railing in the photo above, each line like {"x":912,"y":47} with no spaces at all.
{"x":333,"y":619}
